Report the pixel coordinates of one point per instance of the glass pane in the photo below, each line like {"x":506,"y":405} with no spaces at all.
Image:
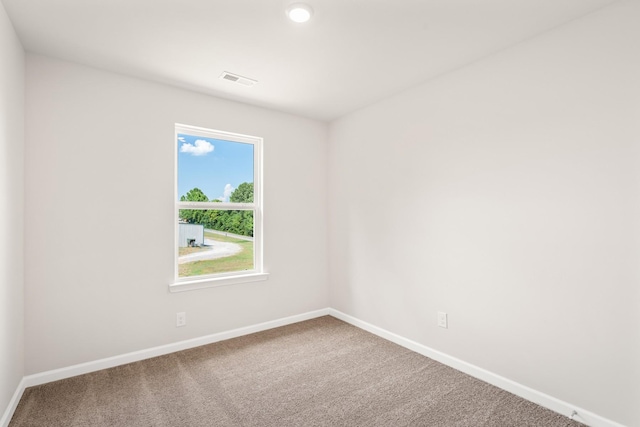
{"x":214,"y":241}
{"x":211,"y":170}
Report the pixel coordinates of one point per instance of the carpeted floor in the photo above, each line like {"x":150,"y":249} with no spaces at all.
{"x":322,"y":372}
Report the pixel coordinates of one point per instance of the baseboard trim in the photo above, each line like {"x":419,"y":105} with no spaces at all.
{"x":544,"y":400}
{"x":110,"y":362}
{"x":586,"y":417}
{"x":13,"y":404}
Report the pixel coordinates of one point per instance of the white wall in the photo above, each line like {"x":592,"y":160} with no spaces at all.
{"x":99,"y":214}
{"x":11,"y":210}
{"x":507,"y":194}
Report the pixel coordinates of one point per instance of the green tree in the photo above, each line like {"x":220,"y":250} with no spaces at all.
{"x":242,"y":194}
{"x":194,"y":195}
{"x":241,"y":222}
{"x":247,"y":223}
{"x":193,"y":216}
{"x":236,"y":222}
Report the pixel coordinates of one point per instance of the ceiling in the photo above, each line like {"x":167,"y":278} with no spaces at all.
{"x":351,"y":54}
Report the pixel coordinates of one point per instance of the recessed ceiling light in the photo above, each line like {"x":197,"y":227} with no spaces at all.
{"x":299,"y":12}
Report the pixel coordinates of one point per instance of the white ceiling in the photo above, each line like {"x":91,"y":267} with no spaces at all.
{"x":351,"y":54}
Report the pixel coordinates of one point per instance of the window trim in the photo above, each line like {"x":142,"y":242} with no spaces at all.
{"x":181,"y":284}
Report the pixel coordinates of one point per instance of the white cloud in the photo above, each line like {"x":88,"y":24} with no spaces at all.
{"x":228,"y":189}
{"x":181,"y":139}
{"x":199,"y":148}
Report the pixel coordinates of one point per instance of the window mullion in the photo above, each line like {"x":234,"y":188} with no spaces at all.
{"x":216,"y":206}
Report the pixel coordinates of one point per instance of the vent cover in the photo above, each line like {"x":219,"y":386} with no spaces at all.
{"x":245,"y":81}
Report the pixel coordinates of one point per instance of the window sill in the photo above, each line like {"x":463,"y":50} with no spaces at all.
{"x":217,"y":281}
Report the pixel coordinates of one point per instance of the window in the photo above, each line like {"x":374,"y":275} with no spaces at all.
{"x":218,"y":208}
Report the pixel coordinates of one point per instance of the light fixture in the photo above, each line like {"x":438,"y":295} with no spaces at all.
{"x":299,"y":12}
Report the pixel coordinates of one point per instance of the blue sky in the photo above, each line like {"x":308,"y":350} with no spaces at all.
{"x":215,"y":166}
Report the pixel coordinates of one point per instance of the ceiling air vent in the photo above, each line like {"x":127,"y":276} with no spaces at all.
{"x":237,"y":79}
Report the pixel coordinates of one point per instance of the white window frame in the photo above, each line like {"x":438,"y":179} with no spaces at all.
{"x":220,"y":279}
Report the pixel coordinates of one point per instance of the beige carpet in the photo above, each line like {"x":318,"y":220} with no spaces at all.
{"x":322,"y":372}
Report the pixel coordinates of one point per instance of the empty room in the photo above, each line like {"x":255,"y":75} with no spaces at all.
{"x":320,"y":213}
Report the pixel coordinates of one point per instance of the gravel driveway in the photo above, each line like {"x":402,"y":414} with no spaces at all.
{"x":214,"y":250}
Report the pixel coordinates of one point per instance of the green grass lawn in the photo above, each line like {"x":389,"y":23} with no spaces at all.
{"x":221,"y":238}
{"x":238,"y":262}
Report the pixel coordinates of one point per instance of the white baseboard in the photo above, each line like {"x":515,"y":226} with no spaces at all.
{"x":559,"y":406}
{"x":110,"y":362}
{"x":544,"y":400}
{"x":13,"y":404}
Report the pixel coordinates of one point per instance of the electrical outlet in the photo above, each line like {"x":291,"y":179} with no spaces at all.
{"x":442,"y":319}
{"x":181,"y":319}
